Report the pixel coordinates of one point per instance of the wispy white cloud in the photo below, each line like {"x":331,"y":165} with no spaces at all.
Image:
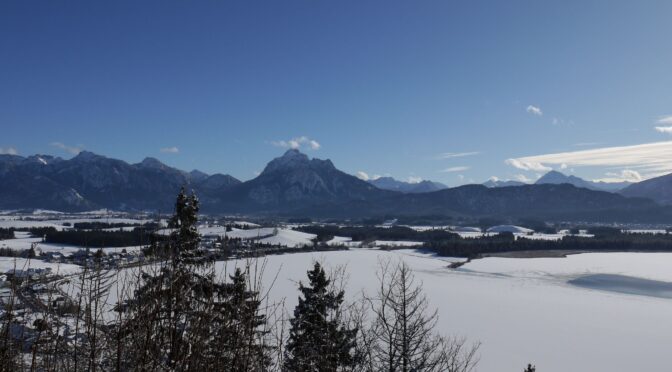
{"x":455,"y":169}
{"x":314,"y":144}
{"x":667,"y":130}
{"x":561,"y":121}
{"x":298,"y":142}
{"x":528,"y":165}
{"x":412,"y":179}
{"x":664,"y":120}
{"x":628,"y":175}
{"x":586,"y":144}
{"x":649,"y":159}
{"x":74,"y":150}
{"x":452,"y":155}
{"x":534,"y":110}
{"x":170,"y":150}
{"x":362,"y":176}
{"x":522,"y":178}
{"x":664,"y":124}
{"x":8,"y":150}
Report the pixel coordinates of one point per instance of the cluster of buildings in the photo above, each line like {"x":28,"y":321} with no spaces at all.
{"x":89,"y":257}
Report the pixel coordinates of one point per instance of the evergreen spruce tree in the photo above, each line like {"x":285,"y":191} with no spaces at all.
{"x":170,"y":313}
{"x":530,"y":368}
{"x":239,"y":324}
{"x":318,"y":340}
{"x":182,"y":319}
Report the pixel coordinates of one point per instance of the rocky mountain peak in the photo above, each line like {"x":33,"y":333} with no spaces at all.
{"x":150,"y":162}
{"x":292,"y":159}
{"x":42,"y":159}
{"x":87,"y":156}
{"x":197,"y":175}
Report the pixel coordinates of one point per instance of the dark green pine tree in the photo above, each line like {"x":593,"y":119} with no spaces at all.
{"x":185,"y":238}
{"x":239,"y":326}
{"x":530,"y":368}
{"x":318,"y":339}
{"x":168,"y":317}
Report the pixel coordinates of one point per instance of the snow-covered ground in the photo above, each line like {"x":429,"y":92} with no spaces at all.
{"x":645,"y":231}
{"x":290,"y":238}
{"x":9,"y":264}
{"x":522,"y":310}
{"x":252,"y":233}
{"x":339,"y":240}
{"x":654,"y":266}
{"x":13,"y":221}
{"x":396,"y":243}
{"x":20,"y":224}
{"x":23,"y":242}
{"x":245,"y":223}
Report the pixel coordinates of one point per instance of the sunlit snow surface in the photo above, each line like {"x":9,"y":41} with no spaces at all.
{"x":10,"y":264}
{"x":522,"y":310}
{"x":24,"y":241}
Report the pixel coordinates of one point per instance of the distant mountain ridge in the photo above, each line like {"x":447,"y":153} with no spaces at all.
{"x":391,"y":184}
{"x":296,"y":185}
{"x":89,"y":181}
{"x":658,"y":189}
{"x":557,"y":178}
{"x":501,"y":183}
{"x":293,"y":183}
{"x":563,"y":202}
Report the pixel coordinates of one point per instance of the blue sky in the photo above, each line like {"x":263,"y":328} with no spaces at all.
{"x":453,"y":91}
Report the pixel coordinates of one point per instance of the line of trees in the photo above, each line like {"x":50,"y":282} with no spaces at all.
{"x":99,"y":238}
{"x":450,"y":244}
{"x":96,"y":225}
{"x":6,"y":234}
{"x":365,"y":233}
{"x":506,"y":242}
{"x":178,"y":316}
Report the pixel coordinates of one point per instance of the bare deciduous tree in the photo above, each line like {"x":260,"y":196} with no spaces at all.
{"x":402,"y":335}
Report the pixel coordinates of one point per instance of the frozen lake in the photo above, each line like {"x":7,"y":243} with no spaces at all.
{"x":523,"y":310}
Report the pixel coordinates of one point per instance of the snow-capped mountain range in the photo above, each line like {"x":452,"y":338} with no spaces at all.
{"x":294,"y":184}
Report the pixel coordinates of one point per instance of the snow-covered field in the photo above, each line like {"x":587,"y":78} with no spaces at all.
{"x":23,"y":242}
{"x":9,"y":264}
{"x":522,"y":310}
{"x":290,"y":238}
{"x":645,"y":231}
{"x":396,"y":243}
{"x":14,"y":221}
{"x":655,"y":266}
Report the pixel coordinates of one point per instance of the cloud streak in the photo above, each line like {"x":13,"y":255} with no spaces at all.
{"x":628,"y":175}
{"x":452,"y":155}
{"x":665,"y":120}
{"x":8,"y":151}
{"x":648,"y":159}
{"x":298,"y":142}
{"x":455,"y":169}
{"x":528,"y":165}
{"x":534,"y":110}
{"x":74,"y":150}
{"x":362,"y":176}
{"x":667,"y":130}
{"x":170,"y":150}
